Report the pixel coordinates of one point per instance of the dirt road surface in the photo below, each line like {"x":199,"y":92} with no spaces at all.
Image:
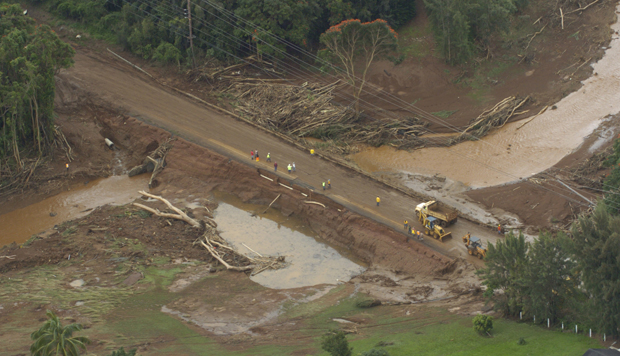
{"x":120,"y":86}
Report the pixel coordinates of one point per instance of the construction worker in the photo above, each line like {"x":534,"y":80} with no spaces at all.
{"x":252,"y":154}
{"x":323,"y":185}
{"x":293,"y":166}
{"x":420,"y":236}
{"x":275,"y":166}
{"x":499,"y":229}
{"x":268,"y":157}
{"x":312,"y":152}
{"x":67,"y":165}
{"x":257,"y":159}
{"x":329,"y":184}
{"x":289,"y":168}
{"x":378,"y":201}
{"x":407,"y":225}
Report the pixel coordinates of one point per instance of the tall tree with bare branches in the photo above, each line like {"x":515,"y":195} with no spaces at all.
{"x":353,"y":44}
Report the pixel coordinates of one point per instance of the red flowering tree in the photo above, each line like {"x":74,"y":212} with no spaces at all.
{"x":353,"y":44}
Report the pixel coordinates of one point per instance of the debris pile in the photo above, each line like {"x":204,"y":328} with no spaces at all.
{"x":309,"y":111}
{"x":497,"y":116}
{"x":155,"y":162}
{"x":215,"y":244}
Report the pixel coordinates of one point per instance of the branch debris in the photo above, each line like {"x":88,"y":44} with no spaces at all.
{"x":497,"y":116}
{"x":155,"y":162}
{"x":215,"y":244}
{"x":309,"y":111}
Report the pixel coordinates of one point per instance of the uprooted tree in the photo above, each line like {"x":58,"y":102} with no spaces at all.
{"x":214,"y":243}
{"x":351,"y":42}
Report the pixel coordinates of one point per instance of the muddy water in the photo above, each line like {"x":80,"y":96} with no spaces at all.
{"x":19,"y":225}
{"x":512,"y":153}
{"x":312,"y":262}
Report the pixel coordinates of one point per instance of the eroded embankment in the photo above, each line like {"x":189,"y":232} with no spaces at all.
{"x":199,"y":171}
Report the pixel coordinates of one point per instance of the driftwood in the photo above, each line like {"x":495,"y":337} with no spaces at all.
{"x":533,"y":117}
{"x":180,"y":215}
{"x":264,"y":211}
{"x":221,"y":251}
{"x":314,"y":202}
{"x":534,"y":35}
{"x":582,"y":8}
{"x":61,"y":142}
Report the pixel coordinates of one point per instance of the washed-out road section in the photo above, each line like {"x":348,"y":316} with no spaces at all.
{"x":124,"y":88}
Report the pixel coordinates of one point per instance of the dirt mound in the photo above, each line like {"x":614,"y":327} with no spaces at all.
{"x":132,"y":233}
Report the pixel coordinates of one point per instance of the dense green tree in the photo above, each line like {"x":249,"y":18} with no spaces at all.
{"x":549,"y":283}
{"x":352,"y":42}
{"x":52,"y":339}
{"x":287,"y":19}
{"x":505,"y":273}
{"x":336,"y":344}
{"x":462,"y":25}
{"x":612,"y":181}
{"x":30,"y":56}
{"x":596,"y":249}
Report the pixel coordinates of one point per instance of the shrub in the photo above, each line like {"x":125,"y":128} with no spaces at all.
{"x":483,"y":324}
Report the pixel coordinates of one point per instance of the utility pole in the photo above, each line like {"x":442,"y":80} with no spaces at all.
{"x":191,"y":36}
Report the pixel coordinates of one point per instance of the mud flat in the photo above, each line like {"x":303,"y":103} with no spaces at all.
{"x":514,"y":153}
{"x":19,"y":225}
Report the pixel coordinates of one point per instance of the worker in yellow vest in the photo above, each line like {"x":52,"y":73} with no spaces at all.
{"x":378,"y":201}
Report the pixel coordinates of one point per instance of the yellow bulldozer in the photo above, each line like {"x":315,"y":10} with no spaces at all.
{"x":474,"y":246}
{"x":433,"y":228}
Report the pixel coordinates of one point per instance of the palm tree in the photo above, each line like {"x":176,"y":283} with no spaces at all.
{"x":53,"y":339}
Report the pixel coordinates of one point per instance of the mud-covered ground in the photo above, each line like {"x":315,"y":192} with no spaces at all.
{"x":86,"y":269}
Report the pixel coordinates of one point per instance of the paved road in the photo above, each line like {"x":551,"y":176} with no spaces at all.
{"x":139,"y":96}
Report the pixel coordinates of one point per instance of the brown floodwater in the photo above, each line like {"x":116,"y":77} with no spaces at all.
{"x":511,"y":153}
{"x":19,"y":225}
{"x":312,"y":261}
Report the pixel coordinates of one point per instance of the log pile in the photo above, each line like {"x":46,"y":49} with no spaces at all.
{"x":221,"y":76}
{"x":309,"y":111}
{"x":495,"y":117}
{"x":215,"y":244}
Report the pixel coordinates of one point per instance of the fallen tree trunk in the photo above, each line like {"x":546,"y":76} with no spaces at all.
{"x":180,"y":215}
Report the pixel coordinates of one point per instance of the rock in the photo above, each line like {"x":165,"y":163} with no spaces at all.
{"x":133,"y":278}
{"x":79,"y":304}
{"x":77,"y":283}
{"x":440,"y":177}
{"x":137,"y":170}
{"x":52,"y":214}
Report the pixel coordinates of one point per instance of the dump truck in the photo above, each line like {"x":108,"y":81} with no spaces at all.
{"x":439,"y":211}
{"x":432,"y":227}
{"x":474,"y":246}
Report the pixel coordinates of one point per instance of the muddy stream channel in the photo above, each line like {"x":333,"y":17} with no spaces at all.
{"x":312,"y":262}
{"x":19,"y":225}
{"x":515,"y":151}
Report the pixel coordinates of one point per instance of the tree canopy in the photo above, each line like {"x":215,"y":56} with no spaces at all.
{"x":30,"y":56}
{"x":460,"y":26}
